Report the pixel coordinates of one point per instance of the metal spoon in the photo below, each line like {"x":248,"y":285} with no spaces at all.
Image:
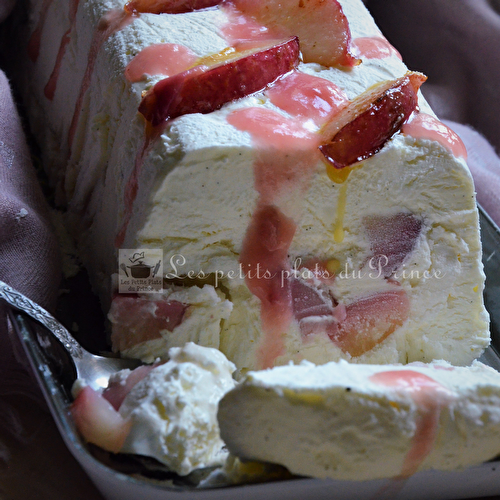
{"x":94,"y":370}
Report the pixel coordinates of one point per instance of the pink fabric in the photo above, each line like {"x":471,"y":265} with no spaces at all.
{"x":485,"y":167}
{"x":29,"y":255}
{"x":6,"y":7}
{"x":456,"y":43}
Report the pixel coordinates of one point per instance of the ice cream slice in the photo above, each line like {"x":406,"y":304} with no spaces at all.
{"x":360,"y":422}
{"x":329,"y":243}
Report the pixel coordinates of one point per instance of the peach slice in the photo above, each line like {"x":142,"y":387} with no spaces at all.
{"x":204,"y":89}
{"x":321,"y":26}
{"x":370,"y":320}
{"x":362,"y":128}
{"x":117,"y":390}
{"x":307,"y":301}
{"x":137,"y":319}
{"x":98,"y":422}
{"x":168,"y":6}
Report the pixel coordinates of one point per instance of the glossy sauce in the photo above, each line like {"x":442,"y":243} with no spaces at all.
{"x":338,"y":230}
{"x":132,"y":185}
{"x":165,"y":59}
{"x":264,"y":256}
{"x":36,"y":36}
{"x":373,"y":48}
{"x":429,"y":396}
{"x":50,"y":88}
{"x":286,"y":160}
{"x":424,"y":126}
{"x":110,"y":23}
{"x":308,"y":97}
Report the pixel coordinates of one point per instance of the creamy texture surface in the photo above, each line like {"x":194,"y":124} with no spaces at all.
{"x":199,"y":189}
{"x":360,"y":422}
{"x":173,"y":410}
{"x":147,"y":327}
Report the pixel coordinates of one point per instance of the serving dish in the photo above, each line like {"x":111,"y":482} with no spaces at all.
{"x":117,"y":477}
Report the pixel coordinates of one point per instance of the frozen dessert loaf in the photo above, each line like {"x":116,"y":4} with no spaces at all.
{"x":361,"y":422}
{"x":284,"y":161}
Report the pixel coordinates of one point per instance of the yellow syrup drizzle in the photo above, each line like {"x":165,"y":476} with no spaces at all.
{"x":339,"y":176}
{"x":220,"y":57}
{"x":338,"y":232}
{"x":333,"y":266}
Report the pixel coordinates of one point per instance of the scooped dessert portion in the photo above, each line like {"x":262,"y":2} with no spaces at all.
{"x":279,"y":153}
{"x":167,"y":411}
{"x":360,"y":422}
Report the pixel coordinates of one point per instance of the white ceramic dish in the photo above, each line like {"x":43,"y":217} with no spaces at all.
{"x":480,"y":481}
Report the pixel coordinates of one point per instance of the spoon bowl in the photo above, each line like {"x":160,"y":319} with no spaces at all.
{"x":92,"y":369}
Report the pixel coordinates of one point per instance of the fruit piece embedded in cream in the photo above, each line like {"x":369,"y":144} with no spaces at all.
{"x":239,"y":194}
{"x":372,"y":120}
{"x":173,"y":410}
{"x":205,"y":89}
{"x":146,"y":326}
{"x":359,"y":422}
{"x":167,"y":411}
{"x":98,"y":421}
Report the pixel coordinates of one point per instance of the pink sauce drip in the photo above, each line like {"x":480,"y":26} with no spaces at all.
{"x":308,"y":97}
{"x":429,"y":396}
{"x":110,"y":23}
{"x":160,"y":59}
{"x":168,"y":59}
{"x":286,"y":159}
{"x":264,"y":261}
{"x":424,"y":126}
{"x":36,"y":36}
{"x":369,"y":47}
{"x":271,"y":129}
{"x":50,"y":88}
{"x":132,"y":186}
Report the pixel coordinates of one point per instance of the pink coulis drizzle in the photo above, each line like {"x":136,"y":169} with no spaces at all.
{"x":132,"y":185}
{"x":429,"y":396}
{"x":287,"y":156}
{"x":308,"y":97}
{"x":36,"y":36}
{"x":373,"y":47}
{"x":424,"y":126}
{"x":109,"y":23}
{"x":165,"y":59}
{"x":50,"y":88}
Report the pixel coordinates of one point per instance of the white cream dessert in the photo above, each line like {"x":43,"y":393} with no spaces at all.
{"x":373,"y":258}
{"x":146,"y":327}
{"x":168,"y":411}
{"x":361,"y":422}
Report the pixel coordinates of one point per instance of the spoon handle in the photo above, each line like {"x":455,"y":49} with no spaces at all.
{"x":22,"y":303}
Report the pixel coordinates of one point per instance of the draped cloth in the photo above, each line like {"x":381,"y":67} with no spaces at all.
{"x":34,"y":462}
{"x":456,"y":44}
